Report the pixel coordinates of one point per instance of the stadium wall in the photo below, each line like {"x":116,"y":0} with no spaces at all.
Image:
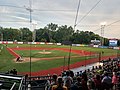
{"x":50,"y":43}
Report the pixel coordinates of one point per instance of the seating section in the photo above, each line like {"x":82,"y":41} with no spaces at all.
{"x":101,"y":77}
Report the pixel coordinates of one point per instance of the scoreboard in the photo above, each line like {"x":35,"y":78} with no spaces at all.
{"x":113,"y":42}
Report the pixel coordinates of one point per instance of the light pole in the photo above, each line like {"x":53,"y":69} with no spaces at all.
{"x":99,"y":56}
{"x":34,"y":32}
{"x":85,"y":62}
{"x":1,"y":32}
{"x":21,"y":36}
{"x":30,"y":17}
{"x":102,"y":33}
{"x":69,"y":58}
{"x":64,"y":64}
{"x":1,"y":36}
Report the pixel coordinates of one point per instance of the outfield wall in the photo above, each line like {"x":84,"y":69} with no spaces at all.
{"x":50,"y":43}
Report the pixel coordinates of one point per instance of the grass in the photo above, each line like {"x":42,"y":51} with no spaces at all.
{"x":106,"y":52}
{"x":5,"y":58}
{"x":36,"y":54}
{"x":7,"y":63}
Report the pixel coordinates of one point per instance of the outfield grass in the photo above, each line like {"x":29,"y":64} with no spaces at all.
{"x":7,"y":63}
{"x":106,"y":51}
{"x":37,"y":54}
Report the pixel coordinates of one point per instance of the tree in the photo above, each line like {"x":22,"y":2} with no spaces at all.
{"x":51,"y":33}
{"x":51,"y":27}
{"x":84,"y":37}
{"x":64,"y":33}
{"x":42,"y":34}
{"x":118,"y":42}
{"x":51,"y":30}
{"x":106,"y":42}
{"x":26,"y":34}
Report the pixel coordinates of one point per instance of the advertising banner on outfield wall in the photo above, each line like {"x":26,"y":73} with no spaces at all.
{"x":116,"y":48}
{"x":58,"y":44}
{"x":42,"y":42}
{"x":4,"y":42}
{"x":20,"y":42}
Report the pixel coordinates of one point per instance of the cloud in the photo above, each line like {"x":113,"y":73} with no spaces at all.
{"x":4,"y":10}
{"x":106,"y":10}
{"x":20,"y":18}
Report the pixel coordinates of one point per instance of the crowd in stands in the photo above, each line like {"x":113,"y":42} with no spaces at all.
{"x":102,"y":77}
{"x":106,"y":77}
{"x":13,"y":72}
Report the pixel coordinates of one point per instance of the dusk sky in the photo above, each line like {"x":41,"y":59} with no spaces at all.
{"x":13,"y":13}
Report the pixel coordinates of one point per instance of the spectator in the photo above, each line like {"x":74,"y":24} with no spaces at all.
{"x":59,"y":85}
{"x":77,"y":74}
{"x":80,"y":73}
{"x":71,"y":73}
{"x":14,"y":72}
{"x":84,"y":81}
{"x":91,"y":84}
{"x":106,"y":82}
{"x":93,"y":68}
{"x":54,"y":81}
{"x":114,"y":80}
{"x":97,"y":82}
{"x":118,"y":85}
{"x":11,"y":71}
{"x":68,"y":80}
{"x":77,"y":85}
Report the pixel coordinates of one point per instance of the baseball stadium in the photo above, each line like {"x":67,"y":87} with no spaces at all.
{"x":59,"y":45}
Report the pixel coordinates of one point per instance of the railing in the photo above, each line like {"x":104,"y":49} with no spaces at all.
{"x":38,"y":82}
{"x":12,"y":88}
{"x":11,"y":82}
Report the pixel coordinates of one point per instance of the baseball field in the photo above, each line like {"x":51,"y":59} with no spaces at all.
{"x":48,"y":59}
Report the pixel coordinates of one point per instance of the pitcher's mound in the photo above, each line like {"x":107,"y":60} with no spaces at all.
{"x":45,"y":52}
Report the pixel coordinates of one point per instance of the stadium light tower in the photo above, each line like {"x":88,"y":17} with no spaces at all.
{"x":1,"y":36}
{"x":103,"y":24}
{"x":30,"y":17}
{"x":34,"y":31}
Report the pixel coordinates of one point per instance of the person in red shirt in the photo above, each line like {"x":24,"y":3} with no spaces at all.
{"x":114,"y":80}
